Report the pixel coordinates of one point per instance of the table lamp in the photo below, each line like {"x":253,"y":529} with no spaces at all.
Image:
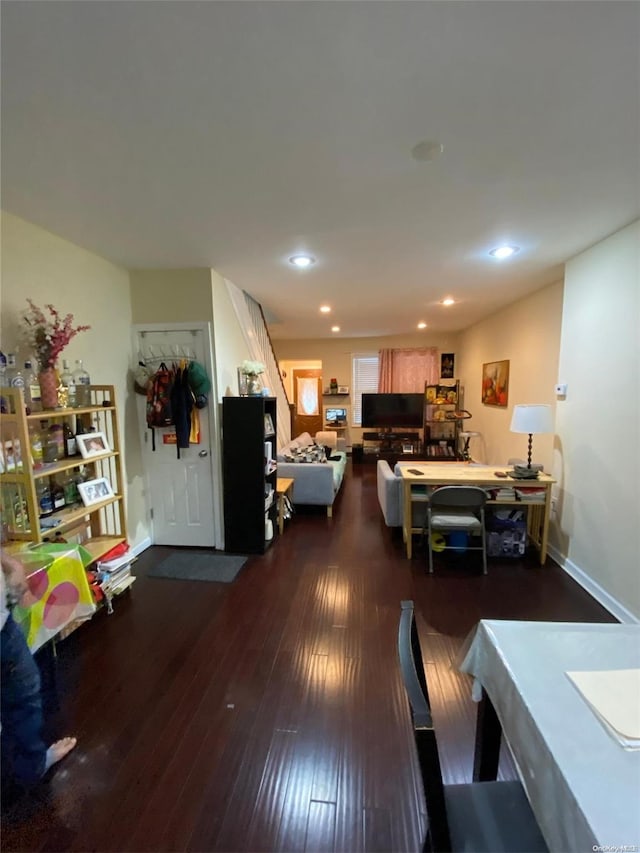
{"x":531,"y":419}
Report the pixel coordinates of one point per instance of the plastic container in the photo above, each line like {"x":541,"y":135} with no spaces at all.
{"x":54,"y":449}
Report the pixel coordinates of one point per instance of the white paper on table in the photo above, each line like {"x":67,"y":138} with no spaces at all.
{"x":614,"y":696}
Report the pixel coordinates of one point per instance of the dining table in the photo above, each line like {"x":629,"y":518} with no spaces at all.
{"x":581,"y":776}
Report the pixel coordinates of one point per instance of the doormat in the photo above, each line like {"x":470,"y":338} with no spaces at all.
{"x":190,"y":566}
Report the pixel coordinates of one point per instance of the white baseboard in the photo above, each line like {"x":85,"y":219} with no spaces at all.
{"x":594,"y":589}
{"x":142,"y":546}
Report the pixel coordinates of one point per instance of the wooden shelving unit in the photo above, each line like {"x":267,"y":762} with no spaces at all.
{"x":98,"y":527}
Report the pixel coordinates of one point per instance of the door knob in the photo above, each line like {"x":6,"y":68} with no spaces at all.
{"x":203,"y":453}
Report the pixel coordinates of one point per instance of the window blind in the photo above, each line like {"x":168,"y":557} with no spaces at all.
{"x":364,"y":368}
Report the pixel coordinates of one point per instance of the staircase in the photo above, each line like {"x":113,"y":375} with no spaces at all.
{"x":258,"y":340}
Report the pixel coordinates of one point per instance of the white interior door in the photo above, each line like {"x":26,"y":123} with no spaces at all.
{"x":183,"y":494}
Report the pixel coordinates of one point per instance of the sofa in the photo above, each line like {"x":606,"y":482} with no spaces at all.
{"x":390,"y":496}
{"x":315,"y":482}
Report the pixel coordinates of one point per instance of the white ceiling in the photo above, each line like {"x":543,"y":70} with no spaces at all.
{"x":234,"y":134}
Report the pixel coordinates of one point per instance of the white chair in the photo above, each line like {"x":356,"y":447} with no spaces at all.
{"x":457,"y":508}
{"x":327,"y":438}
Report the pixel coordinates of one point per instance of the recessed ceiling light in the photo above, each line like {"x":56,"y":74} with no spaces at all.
{"x":335,"y":328}
{"x":422,"y":325}
{"x":427,"y":150}
{"x":302,"y":261}
{"x":325,"y":309}
{"x":448,"y":301}
{"x":503,"y":252}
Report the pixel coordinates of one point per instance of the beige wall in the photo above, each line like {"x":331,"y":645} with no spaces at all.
{"x":598,"y":425}
{"x":46,"y":268}
{"x":527,"y":333}
{"x":176,"y":296}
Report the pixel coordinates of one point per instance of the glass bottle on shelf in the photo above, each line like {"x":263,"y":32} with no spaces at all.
{"x":35,"y":442}
{"x":57,"y":494}
{"x":70,"y":488}
{"x":70,"y":446}
{"x":82,"y":380}
{"x":80,"y":476}
{"x":15,"y":518}
{"x":20,"y":512}
{"x":17,"y":376}
{"x":67,"y":380}
{"x":11,"y":369}
{"x":45,"y":498}
{"x":32,"y":395}
{"x":80,"y":427}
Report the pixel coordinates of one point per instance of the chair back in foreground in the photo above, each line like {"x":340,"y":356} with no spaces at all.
{"x":478,"y":816}
{"x":457,"y":509}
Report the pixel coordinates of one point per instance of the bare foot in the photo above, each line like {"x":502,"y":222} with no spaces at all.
{"x":58,"y":750}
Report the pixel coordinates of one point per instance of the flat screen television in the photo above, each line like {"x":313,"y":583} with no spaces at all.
{"x":387,"y":411}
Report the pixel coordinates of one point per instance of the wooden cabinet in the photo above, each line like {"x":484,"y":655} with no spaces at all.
{"x":250,"y":473}
{"x":99,"y":524}
{"x":441,"y":426}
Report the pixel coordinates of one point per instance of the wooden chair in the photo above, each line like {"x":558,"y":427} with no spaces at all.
{"x":474,"y":817}
{"x":457,"y":508}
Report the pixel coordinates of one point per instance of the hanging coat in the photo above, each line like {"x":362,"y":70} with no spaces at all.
{"x":181,"y":406}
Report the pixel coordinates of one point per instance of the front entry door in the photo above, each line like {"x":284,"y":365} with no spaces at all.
{"x":182,"y":496}
{"x":307,"y":398}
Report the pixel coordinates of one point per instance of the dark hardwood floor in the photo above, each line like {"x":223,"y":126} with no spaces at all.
{"x":268,"y":714}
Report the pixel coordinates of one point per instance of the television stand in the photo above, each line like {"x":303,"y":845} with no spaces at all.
{"x":393,"y":442}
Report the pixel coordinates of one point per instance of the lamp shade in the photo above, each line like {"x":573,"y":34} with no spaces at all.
{"x":532,"y":419}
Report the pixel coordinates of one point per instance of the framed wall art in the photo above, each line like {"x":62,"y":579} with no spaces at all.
{"x":447,"y":365}
{"x":495,"y":383}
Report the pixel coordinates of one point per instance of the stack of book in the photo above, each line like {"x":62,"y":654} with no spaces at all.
{"x":536,"y":494}
{"x":115,"y":575}
{"x":505,"y":493}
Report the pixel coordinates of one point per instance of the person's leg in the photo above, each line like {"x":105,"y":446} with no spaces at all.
{"x":21,"y":707}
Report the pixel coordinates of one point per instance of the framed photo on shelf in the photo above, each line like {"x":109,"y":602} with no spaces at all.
{"x":95,"y":491}
{"x":268,"y":425}
{"x":343,"y":389}
{"x":495,"y":383}
{"x":92,"y":444}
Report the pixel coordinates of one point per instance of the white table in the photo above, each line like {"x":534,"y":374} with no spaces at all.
{"x":584,"y":788}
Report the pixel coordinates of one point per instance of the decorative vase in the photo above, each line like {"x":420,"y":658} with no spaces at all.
{"x":48,"y":381}
{"x":253,"y":385}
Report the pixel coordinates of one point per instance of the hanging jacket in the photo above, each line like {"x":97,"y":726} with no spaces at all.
{"x":181,"y":406}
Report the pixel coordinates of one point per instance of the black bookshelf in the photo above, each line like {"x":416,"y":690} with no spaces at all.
{"x":248,"y":428}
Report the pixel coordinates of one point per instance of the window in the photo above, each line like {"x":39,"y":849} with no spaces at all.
{"x":364,"y":368}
